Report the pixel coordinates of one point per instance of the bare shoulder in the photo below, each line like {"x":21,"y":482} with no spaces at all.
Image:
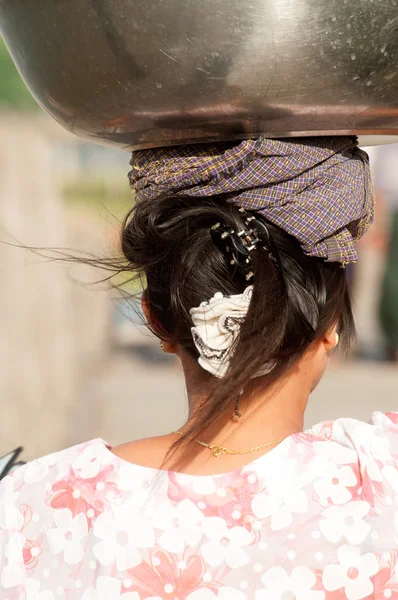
{"x":148,"y":452}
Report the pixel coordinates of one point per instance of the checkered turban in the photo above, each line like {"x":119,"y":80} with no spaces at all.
{"x":317,"y":189}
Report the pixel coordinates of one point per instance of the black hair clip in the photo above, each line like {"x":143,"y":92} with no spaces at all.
{"x":238,"y":245}
{"x":263,"y":234}
{"x":228,"y":240}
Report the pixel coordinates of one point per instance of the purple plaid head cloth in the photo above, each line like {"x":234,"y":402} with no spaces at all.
{"x":317,"y":189}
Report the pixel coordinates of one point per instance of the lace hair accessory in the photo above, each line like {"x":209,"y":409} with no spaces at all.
{"x":216,"y":328}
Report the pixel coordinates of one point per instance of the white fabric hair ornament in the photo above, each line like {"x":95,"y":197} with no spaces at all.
{"x":216,"y":328}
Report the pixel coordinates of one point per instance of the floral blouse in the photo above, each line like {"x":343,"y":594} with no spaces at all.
{"x":316,"y":518}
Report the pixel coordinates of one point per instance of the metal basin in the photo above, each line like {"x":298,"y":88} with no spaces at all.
{"x":164,"y":72}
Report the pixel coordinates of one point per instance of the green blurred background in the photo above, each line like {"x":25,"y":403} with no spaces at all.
{"x":13,"y":93}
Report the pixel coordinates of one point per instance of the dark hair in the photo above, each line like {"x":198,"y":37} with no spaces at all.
{"x":295,"y":300}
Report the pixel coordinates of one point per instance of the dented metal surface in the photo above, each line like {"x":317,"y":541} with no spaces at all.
{"x":166,"y":72}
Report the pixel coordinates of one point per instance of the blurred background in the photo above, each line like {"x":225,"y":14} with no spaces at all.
{"x":76,"y":362}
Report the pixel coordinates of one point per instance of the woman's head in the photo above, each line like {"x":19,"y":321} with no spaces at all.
{"x":315,"y":196}
{"x":296,"y":300}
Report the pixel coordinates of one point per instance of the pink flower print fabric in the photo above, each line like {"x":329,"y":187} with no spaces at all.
{"x":314,"y":519}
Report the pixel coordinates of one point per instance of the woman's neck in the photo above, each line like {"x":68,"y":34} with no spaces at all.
{"x":273,"y":414}
{"x":266,"y":416}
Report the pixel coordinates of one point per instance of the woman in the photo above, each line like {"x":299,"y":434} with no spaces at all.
{"x":242,"y":247}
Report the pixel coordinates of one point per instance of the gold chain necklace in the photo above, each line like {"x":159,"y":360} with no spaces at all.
{"x":220,"y":450}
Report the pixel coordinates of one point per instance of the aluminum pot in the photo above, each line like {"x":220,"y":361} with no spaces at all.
{"x":166,"y":72}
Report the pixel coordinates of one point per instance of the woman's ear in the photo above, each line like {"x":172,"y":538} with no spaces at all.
{"x":331,"y":339}
{"x":165,"y":345}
